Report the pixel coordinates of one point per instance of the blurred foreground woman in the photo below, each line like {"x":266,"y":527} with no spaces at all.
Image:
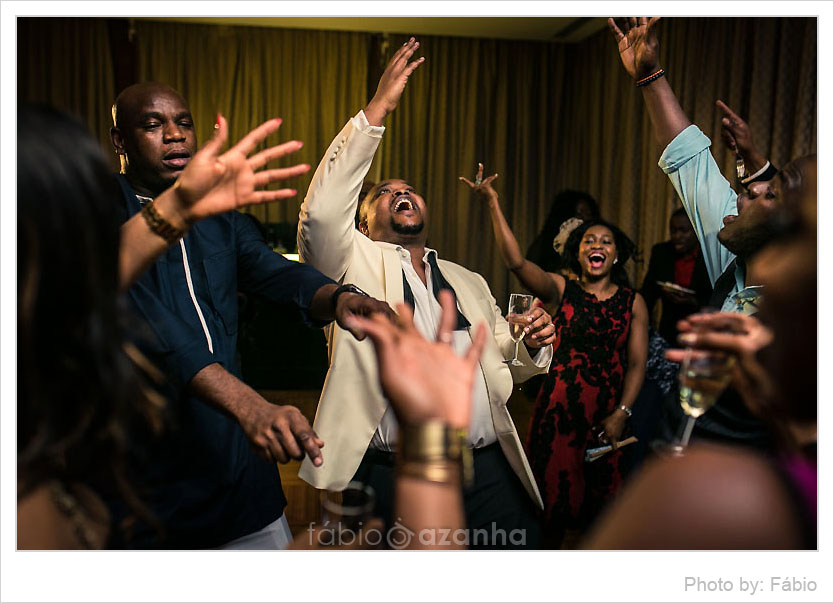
{"x":78,"y":389}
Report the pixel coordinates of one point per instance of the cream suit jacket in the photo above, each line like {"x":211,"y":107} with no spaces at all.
{"x":352,"y":403}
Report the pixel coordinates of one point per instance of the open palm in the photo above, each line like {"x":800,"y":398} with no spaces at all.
{"x":637,"y":44}
{"x":482,"y":186}
{"x":214,"y":183}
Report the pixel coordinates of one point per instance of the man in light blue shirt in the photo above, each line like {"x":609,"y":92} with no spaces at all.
{"x":728,"y":234}
{"x":731,"y":228}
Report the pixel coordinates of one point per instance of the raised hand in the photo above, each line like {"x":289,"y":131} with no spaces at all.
{"x":424,"y":380}
{"x":482,"y":186}
{"x":637,"y":44}
{"x":213,"y":183}
{"x":392,"y":83}
{"x":737,"y":137}
{"x":210,"y":184}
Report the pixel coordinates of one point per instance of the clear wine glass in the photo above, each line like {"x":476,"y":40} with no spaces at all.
{"x":704,"y":374}
{"x":520,"y":307}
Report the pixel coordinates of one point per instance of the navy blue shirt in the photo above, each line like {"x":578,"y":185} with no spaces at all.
{"x":202,"y":479}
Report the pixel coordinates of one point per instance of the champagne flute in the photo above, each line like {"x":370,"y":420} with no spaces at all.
{"x":704,"y":374}
{"x":519,"y":308}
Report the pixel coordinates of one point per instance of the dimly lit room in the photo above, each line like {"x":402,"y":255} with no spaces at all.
{"x":519,"y":283}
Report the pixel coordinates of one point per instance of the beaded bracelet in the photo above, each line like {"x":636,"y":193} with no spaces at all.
{"x":649,"y":79}
{"x":160,"y":225}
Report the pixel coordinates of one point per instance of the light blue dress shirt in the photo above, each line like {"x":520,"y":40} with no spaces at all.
{"x":707,"y":197}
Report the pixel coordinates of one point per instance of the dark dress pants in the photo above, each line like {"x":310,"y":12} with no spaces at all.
{"x":499,"y":513}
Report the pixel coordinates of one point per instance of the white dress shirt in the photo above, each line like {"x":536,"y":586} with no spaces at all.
{"x":427,"y":312}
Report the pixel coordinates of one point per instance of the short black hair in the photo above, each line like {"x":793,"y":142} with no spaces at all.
{"x":626,"y":249}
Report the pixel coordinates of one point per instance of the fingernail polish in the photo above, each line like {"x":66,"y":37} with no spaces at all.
{"x":217,"y":122}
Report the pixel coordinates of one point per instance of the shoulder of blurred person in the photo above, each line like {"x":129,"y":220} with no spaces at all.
{"x":52,"y":518}
{"x":713,"y":497}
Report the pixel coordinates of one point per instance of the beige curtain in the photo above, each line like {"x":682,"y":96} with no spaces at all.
{"x":67,"y":63}
{"x":548,"y":117}
{"x":544,"y":116}
{"x":314,"y":80}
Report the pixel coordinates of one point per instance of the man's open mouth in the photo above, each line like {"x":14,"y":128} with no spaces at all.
{"x":596,"y":260}
{"x":403,"y":204}
{"x":177,"y":159}
{"x":729,"y":219}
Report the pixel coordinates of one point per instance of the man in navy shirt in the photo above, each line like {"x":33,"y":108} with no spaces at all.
{"x":203,"y":479}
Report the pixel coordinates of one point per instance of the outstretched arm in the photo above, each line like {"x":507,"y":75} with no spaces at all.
{"x":547,"y":286}
{"x":326,"y":231}
{"x":638,"y":47}
{"x":276,"y":433}
{"x":211,"y":184}
{"x":686,"y":159}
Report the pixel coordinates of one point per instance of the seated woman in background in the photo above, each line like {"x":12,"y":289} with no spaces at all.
{"x":599,"y":362}
{"x":82,"y":387}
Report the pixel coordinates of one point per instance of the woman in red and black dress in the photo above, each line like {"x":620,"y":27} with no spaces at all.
{"x":598,"y":366}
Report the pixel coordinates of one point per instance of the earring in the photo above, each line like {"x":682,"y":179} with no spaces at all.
{"x":616,"y":260}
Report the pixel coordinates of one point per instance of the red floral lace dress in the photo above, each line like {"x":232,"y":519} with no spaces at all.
{"x":583,"y":387}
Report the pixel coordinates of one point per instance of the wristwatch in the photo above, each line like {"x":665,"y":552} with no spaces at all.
{"x":346,"y":288}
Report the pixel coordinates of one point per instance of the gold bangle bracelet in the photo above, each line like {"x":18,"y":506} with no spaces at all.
{"x":431,"y":441}
{"x":439,"y":473}
{"x":435,"y":443}
{"x":160,"y":225}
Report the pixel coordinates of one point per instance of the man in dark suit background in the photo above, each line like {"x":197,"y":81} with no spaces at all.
{"x":679,"y":261}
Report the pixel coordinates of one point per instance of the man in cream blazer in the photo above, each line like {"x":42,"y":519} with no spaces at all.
{"x":387,"y":259}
